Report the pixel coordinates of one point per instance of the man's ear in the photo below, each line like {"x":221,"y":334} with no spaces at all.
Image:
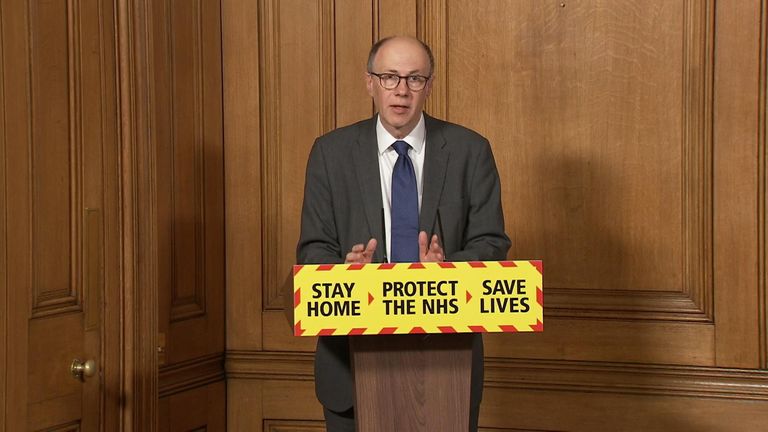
{"x":428,"y":88}
{"x":369,"y":83}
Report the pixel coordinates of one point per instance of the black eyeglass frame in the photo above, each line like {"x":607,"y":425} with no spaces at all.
{"x":407,"y":83}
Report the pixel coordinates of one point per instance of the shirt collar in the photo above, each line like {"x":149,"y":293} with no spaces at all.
{"x":416,"y":138}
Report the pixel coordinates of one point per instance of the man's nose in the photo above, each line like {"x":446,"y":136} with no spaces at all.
{"x":402,"y":88}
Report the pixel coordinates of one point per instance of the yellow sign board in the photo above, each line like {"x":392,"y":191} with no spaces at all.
{"x":397,"y":298}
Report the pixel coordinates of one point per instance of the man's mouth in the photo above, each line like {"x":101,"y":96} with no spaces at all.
{"x":400,"y":109}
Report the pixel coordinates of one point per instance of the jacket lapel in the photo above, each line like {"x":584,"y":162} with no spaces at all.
{"x":435,"y":165}
{"x":366,"y":163}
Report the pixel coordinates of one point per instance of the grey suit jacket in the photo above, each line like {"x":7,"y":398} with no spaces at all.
{"x":461,"y":202}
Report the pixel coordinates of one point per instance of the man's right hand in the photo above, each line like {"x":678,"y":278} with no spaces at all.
{"x":361,"y":254}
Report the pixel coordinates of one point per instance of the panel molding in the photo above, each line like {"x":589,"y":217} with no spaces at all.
{"x":293,"y":426}
{"x":270,"y":365}
{"x":275,"y":281}
{"x":695,"y":300}
{"x":192,"y":305}
{"x":271,"y":154}
{"x":67,"y":427}
{"x":48,"y":302}
{"x":190,"y":374}
{"x":555,"y":375}
{"x":628,"y":378}
{"x":762,"y":188}
{"x":698,"y":127}
{"x":624,"y":305}
{"x":327,"y":61}
{"x":432,"y":28}
{"x":138,"y":228}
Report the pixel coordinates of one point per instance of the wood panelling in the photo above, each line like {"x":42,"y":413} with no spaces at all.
{"x":762,"y":200}
{"x":55,"y":150}
{"x":180,"y":159}
{"x":138,"y":301}
{"x":270,"y":84}
{"x":3,"y":222}
{"x":242,"y":128}
{"x":187,"y":375}
{"x":559,"y":375}
{"x":353,"y":40}
{"x":432,"y":29}
{"x":190,"y":200}
{"x":394,"y":17}
{"x":736,"y":163}
{"x":598,"y":177}
{"x":189,"y":159}
{"x":577,"y":411}
{"x":294,"y":70}
{"x":293,"y":426}
{"x":278,"y":334}
{"x":568,"y":97}
{"x":200,"y":409}
{"x":630,"y":143}
{"x":70,"y":427}
{"x":244,"y":405}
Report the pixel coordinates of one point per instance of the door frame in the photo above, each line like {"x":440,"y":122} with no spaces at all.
{"x":137,"y":296}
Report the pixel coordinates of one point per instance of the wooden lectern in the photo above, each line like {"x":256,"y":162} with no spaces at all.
{"x":412,"y":382}
{"x":411,"y":361}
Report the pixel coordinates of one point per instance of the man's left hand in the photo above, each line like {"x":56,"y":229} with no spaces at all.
{"x":433,"y":253}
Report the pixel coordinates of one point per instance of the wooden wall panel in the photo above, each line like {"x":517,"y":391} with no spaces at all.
{"x":201,"y":409}
{"x":297,"y":69}
{"x":353,"y":38}
{"x":394,"y":17}
{"x":629,"y":143}
{"x":737,"y":169}
{"x":242,"y":128}
{"x":599,"y":182}
{"x":188,"y":132}
{"x":190,"y":176}
{"x":3,"y":253}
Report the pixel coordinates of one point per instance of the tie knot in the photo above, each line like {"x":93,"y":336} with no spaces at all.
{"x":401,"y":147}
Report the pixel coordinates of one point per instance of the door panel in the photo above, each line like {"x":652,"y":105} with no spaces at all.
{"x":186,"y":93}
{"x":60,"y":171}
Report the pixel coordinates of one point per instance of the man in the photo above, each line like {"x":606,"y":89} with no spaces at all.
{"x":432,"y":185}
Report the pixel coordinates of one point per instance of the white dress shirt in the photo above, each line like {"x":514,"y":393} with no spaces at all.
{"x":387,"y":158}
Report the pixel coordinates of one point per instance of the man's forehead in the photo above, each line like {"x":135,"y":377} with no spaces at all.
{"x":400,"y":52}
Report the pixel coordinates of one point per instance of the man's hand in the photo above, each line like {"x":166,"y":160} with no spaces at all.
{"x":433,"y":253}
{"x":361,"y":254}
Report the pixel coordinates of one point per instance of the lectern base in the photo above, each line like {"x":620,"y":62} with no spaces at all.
{"x":412,"y":382}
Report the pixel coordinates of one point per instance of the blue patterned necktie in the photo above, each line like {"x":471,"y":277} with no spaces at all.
{"x":405,"y":208}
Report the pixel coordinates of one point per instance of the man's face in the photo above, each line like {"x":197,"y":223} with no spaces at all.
{"x":400,"y":108}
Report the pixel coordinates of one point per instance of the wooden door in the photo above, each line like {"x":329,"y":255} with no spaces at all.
{"x":60,"y":220}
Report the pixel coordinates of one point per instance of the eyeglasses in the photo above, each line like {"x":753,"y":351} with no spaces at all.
{"x":390,"y":81}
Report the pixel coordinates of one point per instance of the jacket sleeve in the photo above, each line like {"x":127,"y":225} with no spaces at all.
{"x":484,"y":236}
{"x":318,"y":241}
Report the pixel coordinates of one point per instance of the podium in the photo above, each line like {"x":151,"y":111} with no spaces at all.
{"x":411,"y":329}
{"x":412,"y":382}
